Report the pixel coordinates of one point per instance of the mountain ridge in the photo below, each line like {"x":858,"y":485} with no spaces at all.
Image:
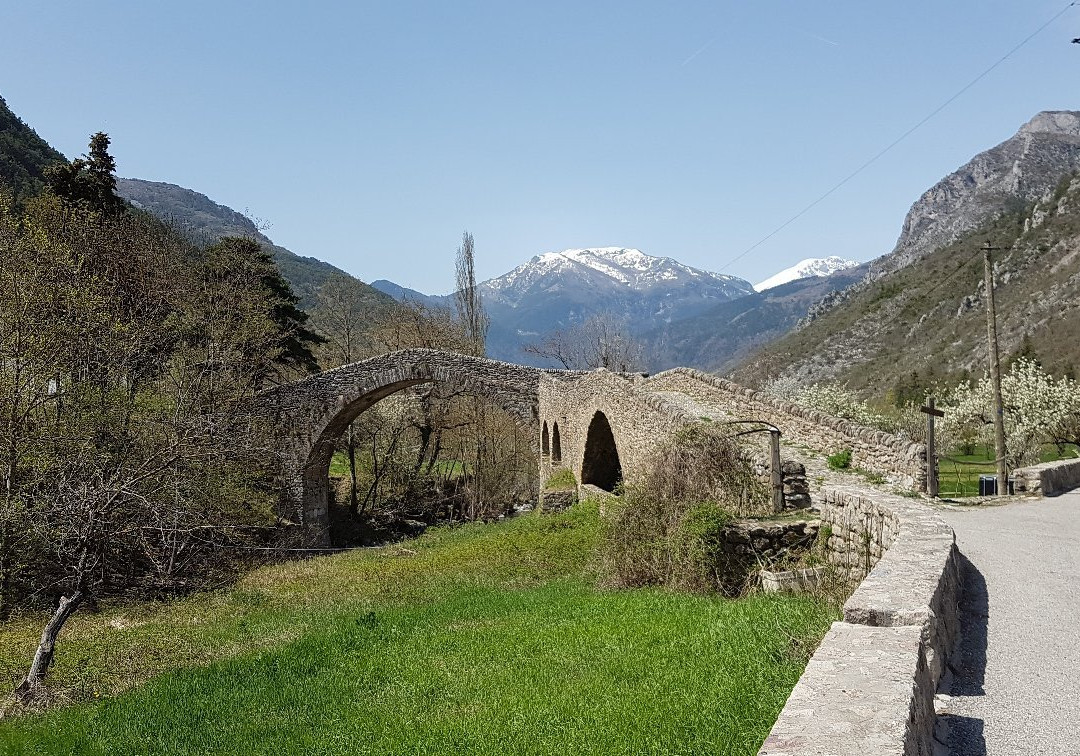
{"x":919,"y":314}
{"x":1015,"y":172}
{"x":194,"y":213}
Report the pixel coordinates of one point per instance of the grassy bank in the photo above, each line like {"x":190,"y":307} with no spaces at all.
{"x":478,"y":639}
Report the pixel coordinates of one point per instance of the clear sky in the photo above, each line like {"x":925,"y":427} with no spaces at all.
{"x":371,"y":135}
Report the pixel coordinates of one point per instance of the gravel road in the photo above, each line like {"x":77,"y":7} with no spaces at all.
{"x":1016,"y":683}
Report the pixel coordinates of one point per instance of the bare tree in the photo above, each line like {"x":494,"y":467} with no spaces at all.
{"x":341,"y":316}
{"x":470,"y":308}
{"x":601,"y":341}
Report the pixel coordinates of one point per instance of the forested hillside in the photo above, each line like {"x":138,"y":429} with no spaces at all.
{"x":198,"y":215}
{"x":722,"y":336}
{"x":23,"y":156}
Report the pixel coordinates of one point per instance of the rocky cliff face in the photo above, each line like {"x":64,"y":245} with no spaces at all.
{"x":1014,"y":173}
{"x":925,"y":322}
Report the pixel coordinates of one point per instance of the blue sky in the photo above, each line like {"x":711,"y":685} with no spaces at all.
{"x":371,"y":134}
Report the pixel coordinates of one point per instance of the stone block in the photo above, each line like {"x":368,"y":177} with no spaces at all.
{"x":865,"y":691}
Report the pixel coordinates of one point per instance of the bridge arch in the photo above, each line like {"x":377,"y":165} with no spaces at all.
{"x":309,"y":416}
{"x":601,"y":465}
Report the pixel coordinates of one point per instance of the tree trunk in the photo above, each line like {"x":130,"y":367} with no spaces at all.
{"x":46,"y":648}
{"x":354,"y":506}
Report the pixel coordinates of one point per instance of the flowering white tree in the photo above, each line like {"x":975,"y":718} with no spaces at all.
{"x":1038,"y":410}
{"x":839,"y":402}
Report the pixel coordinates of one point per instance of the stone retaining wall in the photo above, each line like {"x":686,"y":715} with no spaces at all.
{"x":1048,"y":479}
{"x":902,"y":462}
{"x":869,"y":688}
{"x":744,"y":546}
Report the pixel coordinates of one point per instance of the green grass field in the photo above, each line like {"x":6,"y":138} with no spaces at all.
{"x":962,"y":478}
{"x":482,"y":639}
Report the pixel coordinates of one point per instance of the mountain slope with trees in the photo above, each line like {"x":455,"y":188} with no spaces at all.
{"x":926,"y":322}
{"x":719,"y":338}
{"x":198,"y":215}
{"x":919,"y":315}
{"x":24,"y":156}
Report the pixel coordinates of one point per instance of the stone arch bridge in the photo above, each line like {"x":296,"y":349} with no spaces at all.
{"x":602,"y":426}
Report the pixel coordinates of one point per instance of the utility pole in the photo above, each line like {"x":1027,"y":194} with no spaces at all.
{"x":995,"y":371}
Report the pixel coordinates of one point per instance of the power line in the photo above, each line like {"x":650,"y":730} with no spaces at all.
{"x":896,"y":141}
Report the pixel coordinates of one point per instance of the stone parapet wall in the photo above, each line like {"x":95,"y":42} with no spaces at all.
{"x":866,"y":692}
{"x":1047,"y":479}
{"x":902,"y":462}
{"x":870,"y":685}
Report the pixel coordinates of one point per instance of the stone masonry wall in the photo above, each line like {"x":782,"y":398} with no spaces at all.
{"x":869,"y":687}
{"x":902,"y":462}
{"x":1048,"y":479}
{"x":745,"y":546}
{"x":640,"y":422}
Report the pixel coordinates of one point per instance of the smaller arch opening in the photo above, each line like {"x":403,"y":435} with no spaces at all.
{"x":545,"y":446}
{"x":556,"y":444}
{"x":601,"y":466}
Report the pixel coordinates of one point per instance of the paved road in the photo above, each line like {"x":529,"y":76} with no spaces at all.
{"x":1017,"y":672}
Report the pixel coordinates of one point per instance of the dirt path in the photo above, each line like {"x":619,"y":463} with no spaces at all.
{"x":1016,"y":682}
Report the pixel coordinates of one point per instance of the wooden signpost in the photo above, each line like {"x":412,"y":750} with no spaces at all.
{"x":931,"y":455}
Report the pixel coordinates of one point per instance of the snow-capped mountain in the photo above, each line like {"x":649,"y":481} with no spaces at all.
{"x":556,"y":290}
{"x":814,"y":266}
{"x":615,"y":269}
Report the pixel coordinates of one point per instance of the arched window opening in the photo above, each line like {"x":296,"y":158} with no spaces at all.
{"x":556,"y":444}
{"x":601,"y":466}
{"x":545,"y":448}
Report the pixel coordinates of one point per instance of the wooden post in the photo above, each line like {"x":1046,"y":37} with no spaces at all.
{"x":995,"y":372}
{"x":777,"y":478}
{"x":931,"y":461}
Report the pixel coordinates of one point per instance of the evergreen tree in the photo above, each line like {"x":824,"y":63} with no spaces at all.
{"x":89,"y":182}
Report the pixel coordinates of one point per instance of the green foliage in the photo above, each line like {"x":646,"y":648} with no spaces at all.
{"x":125,"y":357}
{"x":24,"y":157}
{"x":426,"y":650}
{"x":562,"y":479}
{"x":841,"y":460}
{"x":245,"y":290}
